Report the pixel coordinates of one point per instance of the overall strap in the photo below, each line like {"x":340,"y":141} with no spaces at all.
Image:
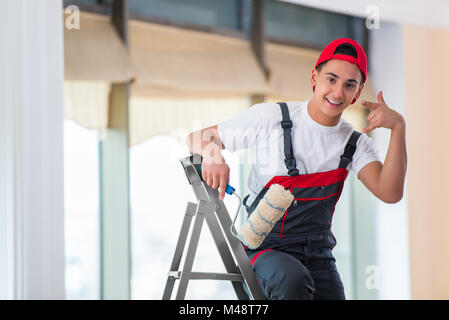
{"x":287,"y":125}
{"x":346,"y":157}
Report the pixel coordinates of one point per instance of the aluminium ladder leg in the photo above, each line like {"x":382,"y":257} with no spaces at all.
{"x":190,"y":213}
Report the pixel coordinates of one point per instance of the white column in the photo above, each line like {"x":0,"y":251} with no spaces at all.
{"x":31,"y":150}
{"x":392,"y":220}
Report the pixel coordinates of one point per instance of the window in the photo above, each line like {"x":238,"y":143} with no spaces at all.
{"x":159,"y":195}
{"x":211,"y":13}
{"x":313,"y":27}
{"x":81,"y":211}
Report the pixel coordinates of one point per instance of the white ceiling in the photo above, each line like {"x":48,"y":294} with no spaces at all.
{"x":429,"y":13}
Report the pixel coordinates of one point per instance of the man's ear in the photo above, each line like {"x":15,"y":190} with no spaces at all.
{"x":313,"y":77}
{"x":359,"y":91}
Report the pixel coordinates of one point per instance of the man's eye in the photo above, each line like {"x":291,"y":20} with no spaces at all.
{"x":331,"y":79}
{"x":351,"y":86}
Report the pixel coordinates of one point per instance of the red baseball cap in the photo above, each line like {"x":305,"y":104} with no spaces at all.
{"x":328,"y":53}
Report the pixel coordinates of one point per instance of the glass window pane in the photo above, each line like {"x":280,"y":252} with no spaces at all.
{"x":212,"y":13}
{"x":159,"y":195}
{"x":306,"y":25}
{"x":86,"y":4}
{"x":81,"y":211}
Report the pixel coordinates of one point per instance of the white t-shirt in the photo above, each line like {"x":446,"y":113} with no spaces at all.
{"x":316,"y":148}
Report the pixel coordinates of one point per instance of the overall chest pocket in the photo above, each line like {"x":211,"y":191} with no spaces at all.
{"x":311,"y":210}
{"x":312,"y":194}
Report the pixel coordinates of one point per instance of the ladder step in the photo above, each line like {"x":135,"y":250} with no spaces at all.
{"x":207,"y":276}
{"x":174,"y":274}
{"x":216,"y":276}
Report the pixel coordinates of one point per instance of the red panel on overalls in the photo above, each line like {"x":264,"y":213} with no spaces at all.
{"x":307,"y":222}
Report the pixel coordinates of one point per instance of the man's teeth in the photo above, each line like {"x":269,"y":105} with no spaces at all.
{"x":333,"y":101}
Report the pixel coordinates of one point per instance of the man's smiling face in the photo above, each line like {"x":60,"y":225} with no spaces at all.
{"x":336,"y":85}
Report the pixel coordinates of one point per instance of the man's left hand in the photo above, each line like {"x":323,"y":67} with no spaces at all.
{"x":381,"y":115}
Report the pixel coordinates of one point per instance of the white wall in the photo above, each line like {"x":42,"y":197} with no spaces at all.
{"x":387,"y":73}
{"x":31,"y":150}
{"x":429,"y":13}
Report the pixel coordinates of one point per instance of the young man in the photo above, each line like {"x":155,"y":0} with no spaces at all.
{"x":309,"y":148}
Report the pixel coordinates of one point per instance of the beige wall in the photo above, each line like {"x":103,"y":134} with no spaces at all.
{"x":426,"y":54}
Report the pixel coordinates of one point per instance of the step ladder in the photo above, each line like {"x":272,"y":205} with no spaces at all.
{"x":213,"y":210}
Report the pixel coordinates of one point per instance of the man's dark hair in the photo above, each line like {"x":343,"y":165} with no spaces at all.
{"x":344,"y":48}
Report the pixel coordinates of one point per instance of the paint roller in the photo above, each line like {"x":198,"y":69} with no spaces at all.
{"x":268,"y":211}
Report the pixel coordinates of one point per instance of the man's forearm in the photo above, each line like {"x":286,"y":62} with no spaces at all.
{"x":392,"y":175}
{"x":205,"y":144}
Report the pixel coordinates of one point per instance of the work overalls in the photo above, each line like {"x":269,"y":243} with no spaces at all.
{"x":295,"y":260}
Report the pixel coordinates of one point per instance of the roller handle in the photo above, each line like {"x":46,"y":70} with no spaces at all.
{"x":229,"y":188}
